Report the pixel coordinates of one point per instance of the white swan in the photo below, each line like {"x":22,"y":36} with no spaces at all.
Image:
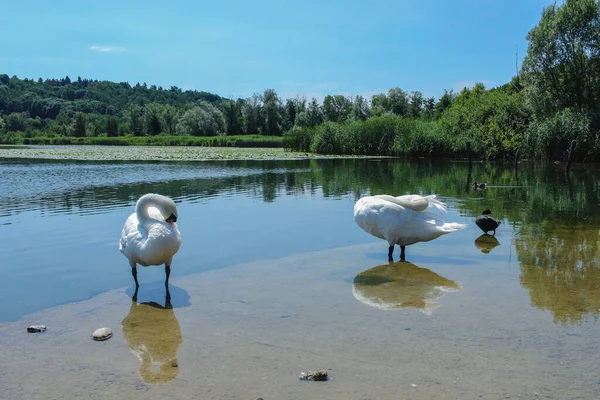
{"x":150,"y":235}
{"x":403,"y":220}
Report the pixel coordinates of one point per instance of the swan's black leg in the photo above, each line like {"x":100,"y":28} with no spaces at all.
{"x":402,"y":253}
{"x":134,"y":273}
{"x":168,"y":304}
{"x":167,"y":273}
{"x":390,"y":251}
{"x":134,"y":298}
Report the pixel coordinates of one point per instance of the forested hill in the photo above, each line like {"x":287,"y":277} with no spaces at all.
{"x":549,"y":111}
{"x":47,"y":98}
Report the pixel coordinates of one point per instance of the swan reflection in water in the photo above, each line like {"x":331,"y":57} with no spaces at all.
{"x":401,"y":285}
{"x":153,"y":334}
{"x":486,"y":243}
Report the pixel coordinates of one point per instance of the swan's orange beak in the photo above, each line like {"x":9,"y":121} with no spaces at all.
{"x":172,"y":218}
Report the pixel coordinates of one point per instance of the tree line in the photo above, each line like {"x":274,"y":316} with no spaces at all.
{"x":549,"y":110}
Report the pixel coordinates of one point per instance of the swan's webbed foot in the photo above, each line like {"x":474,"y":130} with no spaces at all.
{"x":390,"y":252}
{"x":402,"y":253}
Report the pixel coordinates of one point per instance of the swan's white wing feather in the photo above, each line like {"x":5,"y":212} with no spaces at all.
{"x":387,"y":218}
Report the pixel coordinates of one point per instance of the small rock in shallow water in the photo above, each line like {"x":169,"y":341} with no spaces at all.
{"x":36,"y":328}
{"x":314,"y":376}
{"x":102,"y":334}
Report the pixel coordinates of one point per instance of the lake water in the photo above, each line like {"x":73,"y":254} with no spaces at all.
{"x":274,"y":278}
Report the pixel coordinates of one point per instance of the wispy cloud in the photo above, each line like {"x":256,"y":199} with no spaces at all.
{"x":107,"y":49}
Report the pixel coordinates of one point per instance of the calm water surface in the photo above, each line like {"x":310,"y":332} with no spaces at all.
{"x":60,"y":223}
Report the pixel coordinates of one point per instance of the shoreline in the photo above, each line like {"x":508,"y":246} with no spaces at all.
{"x":158,"y":153}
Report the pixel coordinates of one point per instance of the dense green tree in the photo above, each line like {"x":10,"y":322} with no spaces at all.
{"x":203,"y":120}
{"x":494,"y":121}
{"x":272,"y":111}
{"x":561,"y":75}
{"x":152,"y":119}
{"x":397,"y":101}
{"x":429,"y":108}
{"x":360,"y":109}
{"x":445,"y":102}
{"x":134,"y":119}
{"x":80,"y":125}
{"x":336,"y":108}
{"x":112,"y":127}
{"x":232,"y":110}
{"x":562,"y":66}
{"x":312,"y":116}
{"x":379,"y":104}
{"x":252,"y":115}
{"x":169,"y":118}
{"x":292,"y":108}
{"x":415,"y":104}
{"x":15,"y":122}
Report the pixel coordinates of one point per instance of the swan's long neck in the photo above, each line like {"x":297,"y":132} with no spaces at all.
{"x":142,"y":205}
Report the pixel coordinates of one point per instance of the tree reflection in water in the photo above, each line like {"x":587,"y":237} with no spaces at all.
{"x":401,"y":285}
{"x":561,"y":270}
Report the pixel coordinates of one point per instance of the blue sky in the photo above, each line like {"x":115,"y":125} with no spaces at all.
{"x":237,"y":48}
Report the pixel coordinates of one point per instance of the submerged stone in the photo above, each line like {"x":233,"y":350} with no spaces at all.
{"x":102,"y":334}
{"x":36,"y":328}
{"x":314,"y":376}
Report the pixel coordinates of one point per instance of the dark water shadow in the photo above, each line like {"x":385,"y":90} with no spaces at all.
{"x":486,"y":243}
{"x":402,"y":285}
{"x":422,"y":258}
{"x":155,"y":293}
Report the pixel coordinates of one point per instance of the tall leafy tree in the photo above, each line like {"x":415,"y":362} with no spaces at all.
{"x":203,"y":120}
{"x":79,"y":130}
{"x":272,"y":111}
{"x":134,"y":116}
{"x":336,"y":108}
{"x":360,"y":108}
{"x":232,"y":110}
{"x":562,"y":66}
{"x":112,"y":127}
{"x":562,"y":71}
{"x":169,"y":117}
{"x":152,"y":119}
{"x":415,"y":104}
{"x":252,"y":115}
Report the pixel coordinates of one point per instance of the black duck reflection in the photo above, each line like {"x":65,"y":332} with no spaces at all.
{"x":560,"y":268}
{"x":402,"y":285}
{"x":153,"y":334}
{"x":486,"y":243}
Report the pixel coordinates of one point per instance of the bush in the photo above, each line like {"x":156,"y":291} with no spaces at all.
{"x":551,"y":138}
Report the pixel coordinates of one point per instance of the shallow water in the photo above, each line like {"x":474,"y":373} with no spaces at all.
{"x":274,"y":278}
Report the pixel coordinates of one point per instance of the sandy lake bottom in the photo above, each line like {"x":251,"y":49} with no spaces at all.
{"x":438,"y":330}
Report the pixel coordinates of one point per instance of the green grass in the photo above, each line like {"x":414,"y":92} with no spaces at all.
{"x":388,"y":135}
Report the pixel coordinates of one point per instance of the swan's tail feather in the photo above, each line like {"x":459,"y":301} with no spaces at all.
{"x":436,"y":204}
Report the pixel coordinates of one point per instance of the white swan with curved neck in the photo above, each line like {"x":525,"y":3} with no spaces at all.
{"x":403,"y":220}
{"x":150,"y":235}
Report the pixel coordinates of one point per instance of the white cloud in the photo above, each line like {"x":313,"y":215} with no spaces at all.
{"x":106,"y":49}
